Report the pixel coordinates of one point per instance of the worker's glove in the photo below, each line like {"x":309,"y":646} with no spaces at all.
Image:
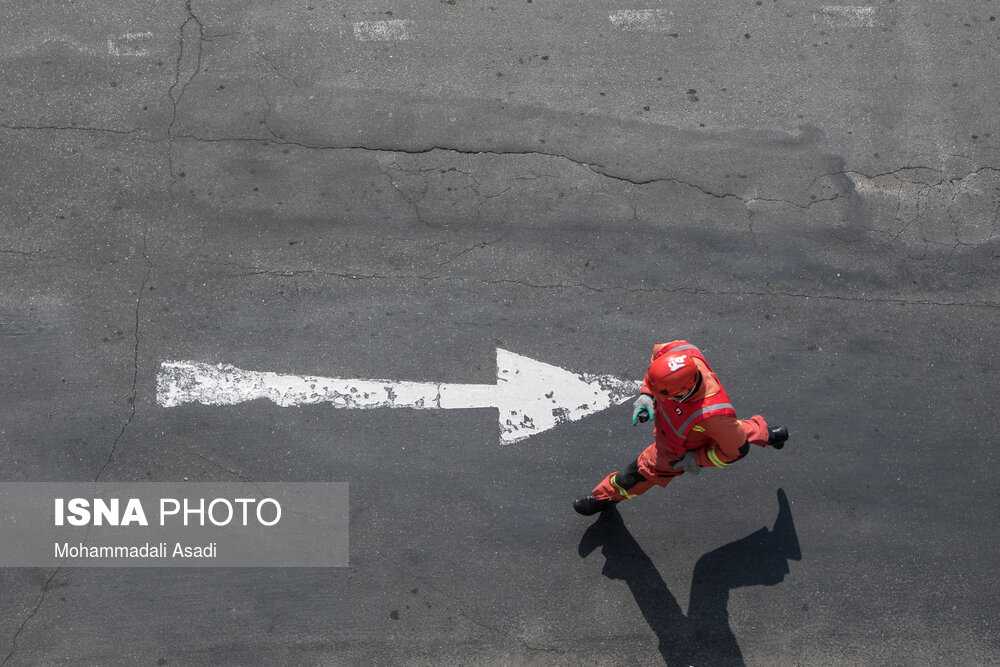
{"x":643,"y":411}
{"x":688,"y":463}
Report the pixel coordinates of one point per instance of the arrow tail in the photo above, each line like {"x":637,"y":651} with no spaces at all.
{"x":180,"y":382}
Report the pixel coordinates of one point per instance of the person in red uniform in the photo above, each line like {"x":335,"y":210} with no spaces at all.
{"x":696,"y":427}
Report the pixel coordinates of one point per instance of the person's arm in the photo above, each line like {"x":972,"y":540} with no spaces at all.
{"x":727,"y":442}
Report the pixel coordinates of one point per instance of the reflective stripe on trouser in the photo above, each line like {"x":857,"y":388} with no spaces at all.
{"x":633,"y":480}
{"x":654,"y":467}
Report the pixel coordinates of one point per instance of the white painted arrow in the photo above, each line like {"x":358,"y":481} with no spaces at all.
{"x":531,"y":396}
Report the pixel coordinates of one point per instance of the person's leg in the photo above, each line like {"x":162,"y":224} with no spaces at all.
{"x":651,"y":468}
{"x":624,"y":484}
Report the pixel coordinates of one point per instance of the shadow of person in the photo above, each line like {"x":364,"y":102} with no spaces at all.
{"x":703,"y":635}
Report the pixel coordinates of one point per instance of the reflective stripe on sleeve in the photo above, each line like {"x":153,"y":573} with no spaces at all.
{"x":714,"y":458}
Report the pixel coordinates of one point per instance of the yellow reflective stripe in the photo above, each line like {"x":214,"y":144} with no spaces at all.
{"x":614,"y":483}
{"x":714,"y":458}
{"x":698,"y":429}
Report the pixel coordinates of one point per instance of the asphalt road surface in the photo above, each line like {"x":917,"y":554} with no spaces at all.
{"x":808,"y":192}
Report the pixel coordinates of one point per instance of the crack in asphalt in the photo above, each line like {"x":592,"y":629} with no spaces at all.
{"x":183,"y":40}
{"x":135,"y":370}
{"x":918,"y":197}
{"x":31,"y":614}
{"x":277,"y":70}
{"x":477,"y":246}
{"x":385,"y":167}
{"x":594,"y":167}
{"x":180,"y":88}
{"x":737,"y":293}
{"x":252,"y":272}
{"x":184,"y":76}
{"x":866,"y":179}
{"x":114,"y":446}
{"x":71,"y":128}
{"x":221,"y":468}
{"x":771,"y":200}
{"x":414,"y":203}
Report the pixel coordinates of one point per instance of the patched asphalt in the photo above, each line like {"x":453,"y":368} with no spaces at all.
{"x":809,"y":193}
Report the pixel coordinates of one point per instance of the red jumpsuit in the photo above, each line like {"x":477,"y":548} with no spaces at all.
{"x":705,"y":424}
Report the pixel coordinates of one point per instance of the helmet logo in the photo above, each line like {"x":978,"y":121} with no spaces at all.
{"x":676,"y":362}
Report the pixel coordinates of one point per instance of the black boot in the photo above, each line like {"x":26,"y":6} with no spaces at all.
{"x":777,"y":437}
{"x":590,"y":505}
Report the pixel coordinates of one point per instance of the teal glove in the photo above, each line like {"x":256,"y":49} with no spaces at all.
{"x":688,"y":463}
{"x":643,"y":411}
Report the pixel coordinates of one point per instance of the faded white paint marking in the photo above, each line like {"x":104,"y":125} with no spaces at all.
{"x":383,"y":31}
{"x":531,"y":396}
{"x":850,"y":16}
{"x":645,"y":20}
{"x":130,"y":44}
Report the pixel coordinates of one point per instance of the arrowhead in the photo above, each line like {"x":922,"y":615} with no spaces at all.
{"x":534,"y":396}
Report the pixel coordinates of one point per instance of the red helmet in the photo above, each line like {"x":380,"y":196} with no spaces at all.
{"x":672,"y":374}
